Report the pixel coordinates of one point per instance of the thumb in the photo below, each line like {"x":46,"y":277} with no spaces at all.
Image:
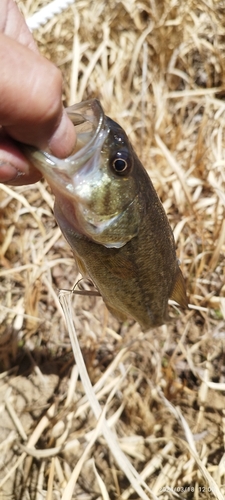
{"x":31,"y":109}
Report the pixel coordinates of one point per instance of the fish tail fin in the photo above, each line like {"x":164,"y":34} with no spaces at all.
{"x":179,"y":291}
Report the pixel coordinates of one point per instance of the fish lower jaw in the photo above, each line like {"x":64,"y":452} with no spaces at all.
{"x":111,"y":231}
{"x":103,"y":231}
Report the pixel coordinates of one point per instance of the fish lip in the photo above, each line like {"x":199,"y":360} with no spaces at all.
{"x":62,"y":170}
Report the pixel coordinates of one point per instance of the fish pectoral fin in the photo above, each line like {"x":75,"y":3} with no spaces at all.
{"x":121,"y":267}
{"x":179,"y":291}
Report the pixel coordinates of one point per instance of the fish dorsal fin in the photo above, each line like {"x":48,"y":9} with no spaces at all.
{"x":179,"y":291}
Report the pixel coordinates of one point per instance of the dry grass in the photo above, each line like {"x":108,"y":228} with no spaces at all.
{"x":158,"y":69}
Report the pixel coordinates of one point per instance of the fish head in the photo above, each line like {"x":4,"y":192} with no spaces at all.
{"x":95,"y":188}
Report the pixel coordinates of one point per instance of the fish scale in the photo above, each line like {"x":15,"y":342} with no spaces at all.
{"x":110,"y":214}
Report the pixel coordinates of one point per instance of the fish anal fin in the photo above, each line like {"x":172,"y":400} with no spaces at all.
{"x":117,"y":314}
{"x":179,"y":291}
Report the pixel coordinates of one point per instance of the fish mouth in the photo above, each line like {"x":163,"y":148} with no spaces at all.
{"x":91,"y":130}
{"x":77,"y":180}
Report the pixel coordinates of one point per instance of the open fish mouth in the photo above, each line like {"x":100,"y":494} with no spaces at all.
{"x":89,"y":196}
{"x":91,"y":130}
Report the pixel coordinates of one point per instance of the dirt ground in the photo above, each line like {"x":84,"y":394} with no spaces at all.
{"x":158,"y":69}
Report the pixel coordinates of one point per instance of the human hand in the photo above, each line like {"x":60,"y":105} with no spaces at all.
{"x":31,"y":109}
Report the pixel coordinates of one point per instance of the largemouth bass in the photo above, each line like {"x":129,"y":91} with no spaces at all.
{"x":110,"y":214}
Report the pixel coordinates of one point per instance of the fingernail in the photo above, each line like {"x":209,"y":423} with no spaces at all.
{"x":8,"y":172}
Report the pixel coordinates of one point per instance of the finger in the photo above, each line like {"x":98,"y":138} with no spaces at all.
{"x":13,"y":24}
{"x":14,"y":167}
{"x":31,"y":110}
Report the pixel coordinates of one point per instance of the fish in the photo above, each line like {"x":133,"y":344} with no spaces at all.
{"x":109,"y":212}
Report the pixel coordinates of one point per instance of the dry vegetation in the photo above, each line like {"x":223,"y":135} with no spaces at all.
{"x":158,"y":69}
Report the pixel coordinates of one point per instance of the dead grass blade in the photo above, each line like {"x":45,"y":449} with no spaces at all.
{"x":121,"y":459}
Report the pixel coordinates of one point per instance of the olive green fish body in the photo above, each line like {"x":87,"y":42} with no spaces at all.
{"x":137,"y":279}
{"x":109,"y":212}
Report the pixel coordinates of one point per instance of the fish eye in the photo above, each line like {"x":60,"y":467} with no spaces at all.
{"x":121,"y":163}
